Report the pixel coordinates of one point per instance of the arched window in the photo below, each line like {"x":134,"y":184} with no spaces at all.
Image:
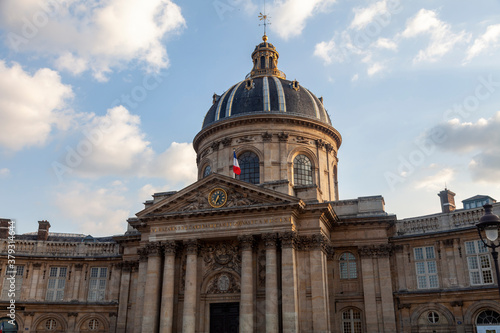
{"x":348,"y":269}
{"x":488,"y":317}
{"x":351,"y":321}
{"x":51,"y":324}
{"x":93,"y":324}
{"x":250,"y":167}
{"x":433,"y":317}
{"x":7,"y":326}
{"x":207,"y":171}
{"x":302,"y":170}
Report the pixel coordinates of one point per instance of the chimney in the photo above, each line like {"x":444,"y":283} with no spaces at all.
{"x":43,"y":230}
{"x":4,"y":228}
{"x":447,"y":201}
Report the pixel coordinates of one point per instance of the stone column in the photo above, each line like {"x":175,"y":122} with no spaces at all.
{"x":385,"y":282}
{"x":290,"y":308}
{"x":167,"y":299}
{"x":246,"y":300}
{"x":330,"y":256}
{"x":368,"y":273}
{"x":151,"y":312}
{"x":34,"y":280}
{"x":141,"y":286}
{"x":319,"y":285}
{"x":271,"y":284}
{"x":123,"y":297}
{"x":190,"y":290}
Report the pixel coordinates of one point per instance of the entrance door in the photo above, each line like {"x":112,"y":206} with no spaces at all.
{"x":224,"y":317}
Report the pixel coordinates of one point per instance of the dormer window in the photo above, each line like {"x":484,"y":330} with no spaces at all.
{"x":249,"y":84}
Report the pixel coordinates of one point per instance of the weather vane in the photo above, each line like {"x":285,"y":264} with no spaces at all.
{"x":264,"y":17}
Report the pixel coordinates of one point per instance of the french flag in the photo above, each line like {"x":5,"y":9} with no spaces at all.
{"x":236,"y":165}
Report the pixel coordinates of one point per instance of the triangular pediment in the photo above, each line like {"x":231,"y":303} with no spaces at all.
{"x":195,"y":198}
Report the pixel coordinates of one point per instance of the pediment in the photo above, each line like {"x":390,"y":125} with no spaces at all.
{"x":240,"y":195}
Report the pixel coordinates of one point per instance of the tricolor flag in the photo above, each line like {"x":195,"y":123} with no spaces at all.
{"x":1,"y":327}
{"x":236,"y":165}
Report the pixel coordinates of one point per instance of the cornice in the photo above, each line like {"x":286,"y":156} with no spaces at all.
{"x":238,"y":121}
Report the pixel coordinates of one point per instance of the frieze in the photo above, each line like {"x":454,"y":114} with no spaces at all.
{"x":301,"y":139}
{"x":223,"y":283}
{"x":218,"y":225}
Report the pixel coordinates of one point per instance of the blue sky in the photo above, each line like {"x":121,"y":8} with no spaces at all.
{"x":100,"y":99}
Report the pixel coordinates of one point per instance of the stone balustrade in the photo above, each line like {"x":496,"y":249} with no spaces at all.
{"x":62,"y":249}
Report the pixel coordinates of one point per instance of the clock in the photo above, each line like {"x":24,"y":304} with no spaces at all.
{"x":217,"y":198}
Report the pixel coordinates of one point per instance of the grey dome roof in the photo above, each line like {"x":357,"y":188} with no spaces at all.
{"x":266,"y":95}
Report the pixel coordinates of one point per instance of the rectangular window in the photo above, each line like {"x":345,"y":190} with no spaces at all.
{"x":8,"y":282}
{"x":97,"y":283}
{"x":479,"y":263}
{"x":426,"y":268}
{"x":56,"y":284}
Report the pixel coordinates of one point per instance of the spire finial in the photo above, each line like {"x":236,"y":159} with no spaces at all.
{"x":264,"y":17}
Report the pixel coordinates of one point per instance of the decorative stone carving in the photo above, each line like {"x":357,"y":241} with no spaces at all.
{"x":457,"y":303}
{"x":320,"y":143}
{"x":154,"y":249}
{"x":301,"y":139}
{"x":261,"y":262}
{"x":223,"y":283}
{"x":113,"y":314}
{"x":143,"y":254}
{"x":219,"y":256}
{"x":448,"y":242}
{"x":404,"y":306}
{"x":288,"y":239}
{"x":328,"y":147}
{"x":127,"y":266}
{"x":383,"y":250}
{"x":246,"y":242}
{"x":267,"y":137}
{"x":246,"y":139}
{"x":197,"y":202}
{"x":169,"y":248}
{"x":270,"y":240}
{"x":72,"y":314}
{"x":330,"y":252}
{"x":30,"y":314}
{"x":239,"y":199}
{"x":37,"y":265}
{"x":283,"y":137}
{"x":192,"y":246}
{"x":215,"y":145}
{"x":78,"y":267}
{"x":226,"y":141}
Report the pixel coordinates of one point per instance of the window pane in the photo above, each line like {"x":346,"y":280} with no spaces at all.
{"x":53,"y":271}
{"x":429,"y":251}
{"x":93,"y":272}
{"x":481,"y":247}
{"x":475,"y":279}
{"x":472,"y":261}
{"x":420,"y":268}
{"x":302,"y":170}
{"x":343,"y":270}
{"x":104,"y":272}
{"x":431,"y":266}
{"x":249,"y":165}
{"x":419,"y":254}
{"x":62,"y":271}
{"x":433,"y":281}
{"x":422,"y":282}
{"x":352,"y":270}
{"x":470,"y":248}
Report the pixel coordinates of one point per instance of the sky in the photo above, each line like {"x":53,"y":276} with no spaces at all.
{"x":100,"y":99}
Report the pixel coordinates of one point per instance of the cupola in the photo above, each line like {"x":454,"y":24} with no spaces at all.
{"x":265,"y":61}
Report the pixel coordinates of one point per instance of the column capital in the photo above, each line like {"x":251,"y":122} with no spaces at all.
{"x":192,"y":246}
{"x":154,"y":249}
{"x":270,"y":240}
{"x":169,"y":248}
{"x":288,"y":239}
{"x":143,"y":254}
{"x":246,"y":242}
{"x":330,"y":252}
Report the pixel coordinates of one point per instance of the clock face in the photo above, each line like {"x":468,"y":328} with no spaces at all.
{"x":217,"y":197}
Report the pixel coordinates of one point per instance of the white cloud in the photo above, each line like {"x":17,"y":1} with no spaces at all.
{"x":385,"y":43}
{"x":114,"y":144}
{"x":355,"y":78}
{"x":98,"y":211}
{"x":366,"y":15}
{"x":442,"y":39}
{"x":375,"y":68}
{"x":99,"y":35}
{"x":489,"y":40}
{"x":289,"y":16}
{"x":4,"y":173}
{"x":481,"y":138}
{"x":436,"y":181}
{"x":31,"y":106}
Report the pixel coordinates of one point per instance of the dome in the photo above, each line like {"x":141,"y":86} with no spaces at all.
{"x":266,"y":90}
